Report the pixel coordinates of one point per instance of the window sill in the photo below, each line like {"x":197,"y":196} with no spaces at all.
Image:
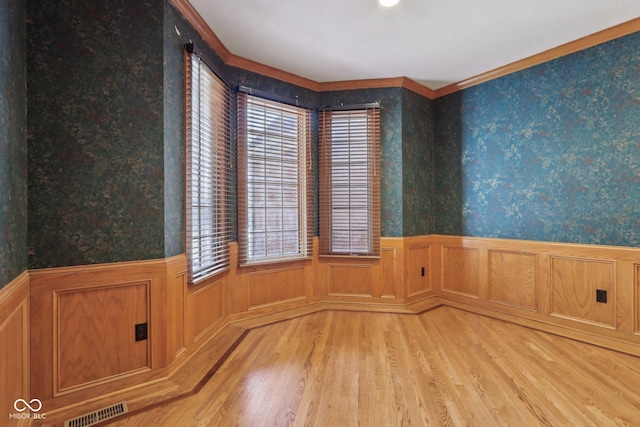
{"x":213,"y":277}
{"x":349,"y":257}
{"x":274,"y":262}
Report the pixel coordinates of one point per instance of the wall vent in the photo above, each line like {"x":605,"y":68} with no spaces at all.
{"x":98,"y":416}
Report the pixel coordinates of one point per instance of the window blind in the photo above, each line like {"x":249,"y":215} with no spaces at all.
{"x":274,"y":183}
{"x":208,"y":126}
{"x":350,"y":182}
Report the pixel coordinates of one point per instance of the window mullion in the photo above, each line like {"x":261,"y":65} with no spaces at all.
{"x":274,"y":132}
{"x":349,"y":182}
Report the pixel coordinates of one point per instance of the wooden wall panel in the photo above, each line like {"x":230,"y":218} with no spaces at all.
{"x":460,"y":270}
{"x":175,"y":313}
{"x":14,"y":345}
{"x":350,"y":279}
{"x":513,"y":278}
{"x":363,"y":280}
{"x":13,"y":358}
{"x":418,"y":269}
{"x":276,"y":286}
{"x":624,"y":273}
{"x":84,"y":316}
{"x":544,"y":285}
{"x":94,"y":331}
{"x":207,"y":308}
{"x":636,"y":298}
{"x":573,"y":289}
{"x":236,"y":295}
{"x":257,"y":289}
{"x":179,"y":328}
{"x":391,"y":283}
{"x":389,"y":263}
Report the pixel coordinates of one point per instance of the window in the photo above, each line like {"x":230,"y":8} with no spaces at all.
{"x":207,"y":166}
{"x":273,"y":181}
{"x":350,"y":181}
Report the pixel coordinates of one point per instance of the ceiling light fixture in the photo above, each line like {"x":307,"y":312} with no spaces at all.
{"x":388,"y":3}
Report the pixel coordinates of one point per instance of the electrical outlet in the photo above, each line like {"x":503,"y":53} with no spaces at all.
{"x":141,"y":331}
{"x":601,"y":295}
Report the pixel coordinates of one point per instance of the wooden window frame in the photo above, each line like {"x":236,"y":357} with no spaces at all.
{"x":339,"y":196}
{"x":254,"y":224}
{"x":207,"y":166}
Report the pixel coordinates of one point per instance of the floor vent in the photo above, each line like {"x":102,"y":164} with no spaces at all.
{"x":98,"y":416}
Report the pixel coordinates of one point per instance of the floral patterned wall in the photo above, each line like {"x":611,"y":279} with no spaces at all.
{"x":174,"y":101}
{"x":13,"y":141}
{"x":548,"y":153}
{"x":551,"y":153}
{"x":95,"y":120}
{"x":417,"y":164}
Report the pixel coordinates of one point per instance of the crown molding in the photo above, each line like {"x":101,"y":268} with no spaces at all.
{"x":266,"y":70}
{"x":583,"y":43}
{"x":200,"y":25}
{"x":418,"y":88}
{"x":403,"y":82}
{"x":194,"y":18}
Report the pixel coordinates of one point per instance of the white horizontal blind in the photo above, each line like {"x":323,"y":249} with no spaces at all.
{"x":208,"y":172}
{"x":273,"y":181}
{"x":349,"y":182}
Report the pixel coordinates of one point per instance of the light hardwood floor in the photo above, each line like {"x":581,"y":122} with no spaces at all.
{"x":444,"y":367}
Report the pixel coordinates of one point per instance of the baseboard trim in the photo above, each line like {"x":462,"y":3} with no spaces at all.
{"x":184,"y":382}
{"x":548,"y":327}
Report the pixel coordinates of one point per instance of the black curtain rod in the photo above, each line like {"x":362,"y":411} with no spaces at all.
{"x":342,"y":107}
{"x":278,"y":98}
{"x":273,"y":97}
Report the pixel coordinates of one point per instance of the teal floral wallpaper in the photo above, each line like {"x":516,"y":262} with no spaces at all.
{"x":417,"y":164}
{"x":447,"y":165}
{"x":95,"y":143}
{"x":551,"y":153}
{"x":13,"y":141}
{"x":174,"y":100}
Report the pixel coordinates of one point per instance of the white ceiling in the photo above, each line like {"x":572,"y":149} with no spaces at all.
{"x":434,"y":42}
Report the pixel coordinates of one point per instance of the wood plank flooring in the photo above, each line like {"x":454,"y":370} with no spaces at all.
{"x":445,"y":367}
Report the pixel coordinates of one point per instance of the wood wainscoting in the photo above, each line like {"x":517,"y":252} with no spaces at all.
{"x":84,"y":329}
{"x":80,"y":321}
{"x":549,"y":286}
{"x":418,"y":268}
{"x":349,"y":278}
{"x":14,"y":347}
{"x":401,"y":275}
